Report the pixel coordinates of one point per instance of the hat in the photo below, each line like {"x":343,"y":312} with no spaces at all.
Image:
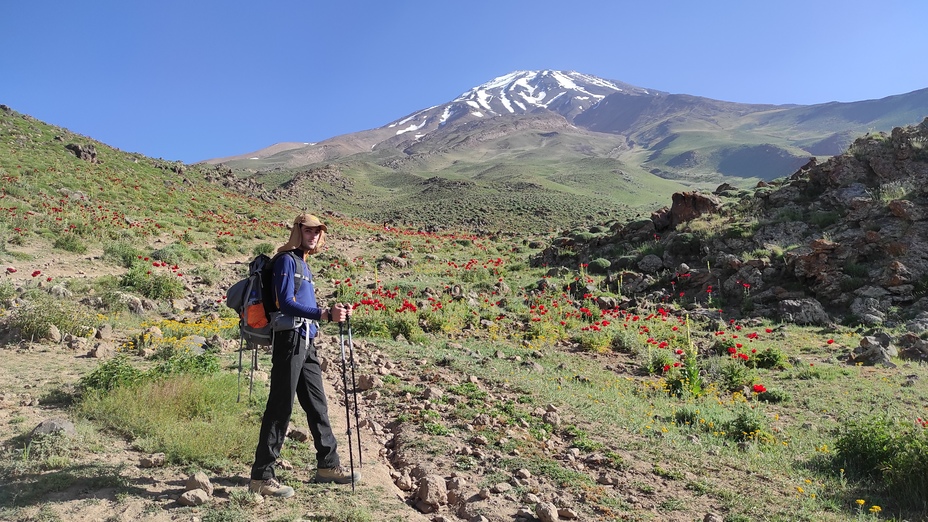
{"x":296,"y":235}
{"x":309,"y":220}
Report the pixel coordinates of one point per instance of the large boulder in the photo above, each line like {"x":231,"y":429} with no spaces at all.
{"x":804,"y":311}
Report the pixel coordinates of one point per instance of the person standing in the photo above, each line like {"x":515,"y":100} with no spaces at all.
{"x":295,"y":369}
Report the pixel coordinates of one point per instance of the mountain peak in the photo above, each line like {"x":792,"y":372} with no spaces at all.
{"x":565,"y":92}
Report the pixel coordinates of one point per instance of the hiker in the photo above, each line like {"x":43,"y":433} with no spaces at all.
{"x":295,"y":366}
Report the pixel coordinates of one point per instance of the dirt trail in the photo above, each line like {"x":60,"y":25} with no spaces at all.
{"x":29,"y":377}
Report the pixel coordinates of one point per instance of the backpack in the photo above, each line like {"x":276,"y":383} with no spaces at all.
{"x":254,"y":301}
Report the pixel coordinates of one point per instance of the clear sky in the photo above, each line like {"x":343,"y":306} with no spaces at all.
{"x":197,"y":79}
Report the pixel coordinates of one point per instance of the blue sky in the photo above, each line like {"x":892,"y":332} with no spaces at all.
{"x":197,"y":79}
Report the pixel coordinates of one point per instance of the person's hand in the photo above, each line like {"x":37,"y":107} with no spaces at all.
{"x":349,"y":309}
{"x":338,"y":313}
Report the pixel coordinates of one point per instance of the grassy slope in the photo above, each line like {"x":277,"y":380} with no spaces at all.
{"x":609,"y":402}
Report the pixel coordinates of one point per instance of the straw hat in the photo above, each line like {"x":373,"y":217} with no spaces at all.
{"x":296,"y":234}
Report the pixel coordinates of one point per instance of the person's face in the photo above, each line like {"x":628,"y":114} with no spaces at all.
{"x":311,"y":237}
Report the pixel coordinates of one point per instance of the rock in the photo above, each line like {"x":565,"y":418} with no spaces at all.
{"x":299,"y":434}
{"x":85,"y":152}
{"x":432,"y":491}
{"x":153,"y":332}
{"x":651,"y":264}
{"x":868,"y":310}
{"x":60,"y":292}
{"x":102,"y":350}
{"x":195,"y":497}
{"x":200,"y":481}
{"x":105,"y":332}
{"x":552,"y":418}
{"x":687,"y":206}
{"x":567,"y":514}
{"x":804,"y":311}
{"x":455,"y":484}
{"x":404,"y":482}
{"x":51,"y":426}
{"x":712,"y":517}
{"x":369,"y":382}
{"x":919,"y":324}
{"x":155,"y":460}
{"x":546,"y":512}
{"x":875,"y":349}
{"x":54,"y":334}
{"x":502,"y":487}
{"x":433,"y":393}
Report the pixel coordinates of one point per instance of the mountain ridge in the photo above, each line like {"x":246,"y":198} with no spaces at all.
{"x":649,"y":128}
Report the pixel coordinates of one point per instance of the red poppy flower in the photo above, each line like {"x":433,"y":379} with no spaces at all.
{"x":10,"y":270}
{"x":732,"y":349}
{"x":759,"y":388}
{"x":830,"y":341}
{"x":37,"y":273}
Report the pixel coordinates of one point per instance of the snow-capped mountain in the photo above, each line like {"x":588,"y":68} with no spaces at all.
{"x":567,"y":93}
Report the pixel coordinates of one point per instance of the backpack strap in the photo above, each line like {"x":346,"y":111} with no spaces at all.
{"x":298,"y":278}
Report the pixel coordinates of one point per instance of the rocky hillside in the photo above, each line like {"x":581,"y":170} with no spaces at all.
{"x":843,"y":240}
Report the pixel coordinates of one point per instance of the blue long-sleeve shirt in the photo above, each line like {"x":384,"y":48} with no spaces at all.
{"x":303,"y":303}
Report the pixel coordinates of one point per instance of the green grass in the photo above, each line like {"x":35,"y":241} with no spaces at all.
{"x":192,"y":420}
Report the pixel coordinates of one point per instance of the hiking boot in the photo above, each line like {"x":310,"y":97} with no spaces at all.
{"x":270,"y":487}
{"x":338,"y":475}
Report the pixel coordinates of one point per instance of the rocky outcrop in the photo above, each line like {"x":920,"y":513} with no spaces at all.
{"x":850,"y":234}
{"x":84,"y":152}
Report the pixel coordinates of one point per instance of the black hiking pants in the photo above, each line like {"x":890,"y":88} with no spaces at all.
{"x":295,"y":370}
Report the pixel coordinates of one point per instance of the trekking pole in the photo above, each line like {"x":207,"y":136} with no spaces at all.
{"x":354,"y":391}
{"x":241,"y":347}
{"x":341,"y":338}
{"x":254,"y":364}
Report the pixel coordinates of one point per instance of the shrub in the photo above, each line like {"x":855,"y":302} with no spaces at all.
{"x":599,"y":265}
{"x":733,"y":375}
{"x":153,"y":285}
{"x":194,"y":364}
{"x":70,"y":243}
{"x":656,"y":359}
{"x":370,"y":324}
{"x":749,"y":424}
{"x":34,"y":319}
{"x":122,"y":253}
{"x":176,"y":253}
{"x":7,"y":290}
{"x":594,"y":341}
{"x":263,"y":248}
{"x":209,"y":274}
{"x":405,"y":325}
{"x":894,"y":452}
{"x":773,"y":396}
{"x":771,"y":358}
{"x":111,"y":374}
{"x":228,"y":245}
{"x":824,"y":219}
